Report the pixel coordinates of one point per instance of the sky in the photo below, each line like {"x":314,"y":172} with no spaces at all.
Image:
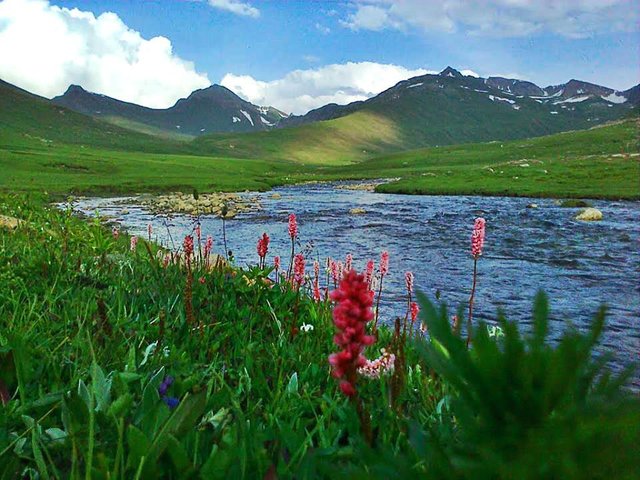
{"x":301,"y":54}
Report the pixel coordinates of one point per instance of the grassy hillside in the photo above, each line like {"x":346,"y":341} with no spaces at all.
{"x":341,"y":141}
{"x":600,"y":162}
{"x":27,"y":119}
{"x":433,"y":111}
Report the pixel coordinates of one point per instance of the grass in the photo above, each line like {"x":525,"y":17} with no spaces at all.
{"x":92,"y":331}
{"x":601,"y":162}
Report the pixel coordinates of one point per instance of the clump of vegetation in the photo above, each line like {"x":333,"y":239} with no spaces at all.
{"x":575,"y":203}
{"x":122,"y":360}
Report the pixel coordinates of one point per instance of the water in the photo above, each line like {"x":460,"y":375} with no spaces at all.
{"x":579,"y":264}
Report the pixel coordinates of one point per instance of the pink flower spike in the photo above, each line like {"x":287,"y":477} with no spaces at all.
{"x":477,"y":237}
{"x":134,"y":243}
{"x":348,"y":262}
{"x":415,"y":310}
{"x":276,"y":262}
{"x":408,"y":279}
{"x":384,"y":263}
{"x":263,"y":245}
{"x":187,"y":246}
{"x":293,"y":226}
{"x":298,"y":270}
{"x":350,"y":315}
{"x":368,"y":273}
{"x":149,"y":231}
{"x":208,"y":246}
{"x":198,"y":232}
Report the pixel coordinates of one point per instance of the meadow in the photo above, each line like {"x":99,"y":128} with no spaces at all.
{"x":122,"y":360}
{"x":597,"y":163}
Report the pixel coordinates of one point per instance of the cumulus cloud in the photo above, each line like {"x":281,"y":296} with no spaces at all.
{"x":570,"y":18}
{"x":236,"y":6}
{"x":45,"y":48}
{"x":303,"y":90}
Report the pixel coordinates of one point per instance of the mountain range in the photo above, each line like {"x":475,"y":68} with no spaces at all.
{"x":209,"y":110}
{"x":429,"y":110}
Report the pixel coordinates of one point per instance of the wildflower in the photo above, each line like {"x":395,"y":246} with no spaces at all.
{"x":171,"y":402}
{"x":415,"y":310}
{"x":202,"y":280}
{"x":316,"y":270}
{"x":263,"y":245}
{"x":276,"y":263}
{"x":333,"y":266}
{"x":368,"y":273}
{"x":350,"y":316}
{"x":298,"y":269}
{"x":316,"y":292}
{"x":348,"y":262}
{"x":208,"y":246}
{"x":134,"y":243}
{"x":149,"y":231}
{"x":340,"y":268}
{"x":306,"y":327}
{"x":198,"y":232}
{"x":115,"y":232}
{"x":384,"y":263}
{"x":164,"y":386}
{"x":166,"y":260}
{"x":187,"y":245}
{"x":379,"y":367}
{"x":408,"y":279}
{"x":293,"y":226}
{"x":477,"y":237}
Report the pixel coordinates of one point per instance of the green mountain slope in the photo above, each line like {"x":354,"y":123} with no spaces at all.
{"x":601,"y":162}
{"x":431,"y":110}
{"x":27,"y":119}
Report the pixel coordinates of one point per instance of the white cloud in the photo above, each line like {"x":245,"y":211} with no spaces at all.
{"x":302,"y":90}
{"x":45,"y":48}
{"x":570,"y":18}
{"x":236,"y":6}
{"x":323,"y":29}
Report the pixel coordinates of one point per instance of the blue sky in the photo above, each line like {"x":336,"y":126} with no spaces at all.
{"x":259,"y":43}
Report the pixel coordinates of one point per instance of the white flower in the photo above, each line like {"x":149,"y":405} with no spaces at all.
{"x":306,"y":327}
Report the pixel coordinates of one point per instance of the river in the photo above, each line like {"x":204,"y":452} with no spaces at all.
{"x":580,"y":265}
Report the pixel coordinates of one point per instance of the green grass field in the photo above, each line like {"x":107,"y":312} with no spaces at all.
{"x":601,"y":162}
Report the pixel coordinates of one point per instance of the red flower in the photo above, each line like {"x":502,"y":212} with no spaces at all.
{"x":350,"y":316}
{"x":415,"y":310}
{"x":293,"y":226}
{"x":477,"y":238}
{"x":384,"y":263}
{"x":187,"y":245}
{"x":263,"y":245}
{"x":408,"y":280}
{"x":298,"y":269}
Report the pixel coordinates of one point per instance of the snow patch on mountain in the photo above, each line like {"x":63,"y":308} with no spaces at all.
{"x":615,"y":98}
{"x":247,"y":116}
{"x":266,"y":122}
{"x":235,"y":119}
{"x":416,"y":85}
{"x":581,"y":98}
{"x":493,"y":98}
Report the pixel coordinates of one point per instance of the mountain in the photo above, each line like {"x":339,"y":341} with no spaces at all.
{"x":496,"y":88}
{"x":430,"y":110}
{"x":209,"y":110}
{"x":28,"y":119}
